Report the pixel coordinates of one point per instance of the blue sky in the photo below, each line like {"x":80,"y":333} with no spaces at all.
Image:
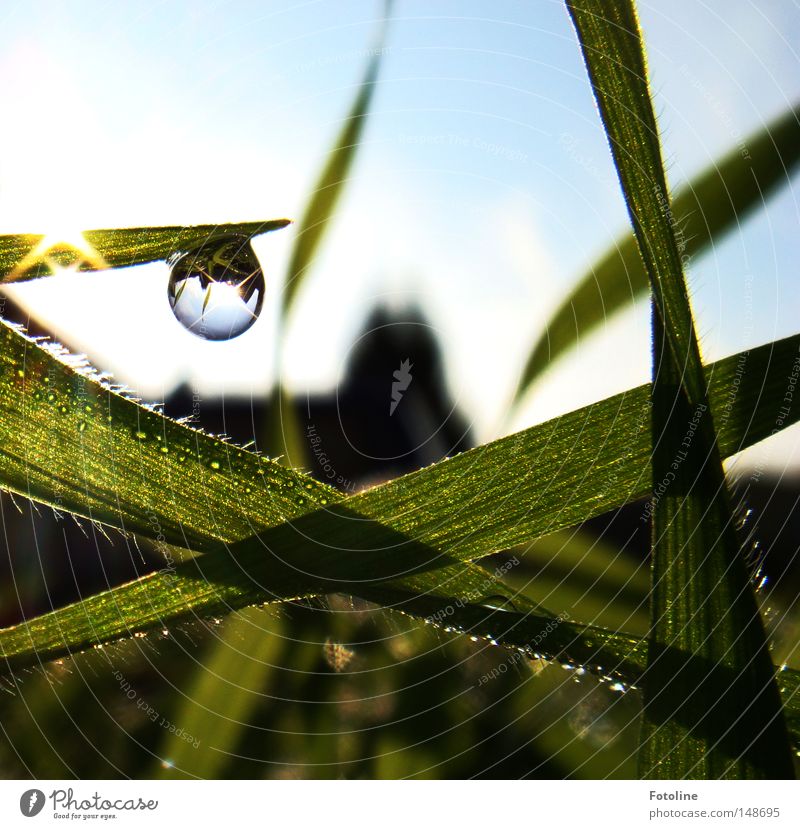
{"x":483,"y":189}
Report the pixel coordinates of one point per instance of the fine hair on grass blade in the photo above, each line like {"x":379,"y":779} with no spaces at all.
{"x":712,"y":707}
{"x":469,"y":506}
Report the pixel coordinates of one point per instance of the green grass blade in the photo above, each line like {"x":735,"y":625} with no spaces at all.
{"x":334,"y":175}
{"x":608,"y":653}
{"x":71,"y":443}
{"x":30,"y":256}
{"x":712,"y":707}
{"x":707,"y":637}
{"x":211,"y":585}
{"x":75,"y":444}
{"x":282,"y":434}
{"x":600,"y":584}
{"x":484,"y":500}
{"x":705,"y":209}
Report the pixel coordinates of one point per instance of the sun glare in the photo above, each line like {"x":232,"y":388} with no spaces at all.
{"x":65,"y":244}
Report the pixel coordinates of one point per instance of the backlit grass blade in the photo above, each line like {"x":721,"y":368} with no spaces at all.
{"x":73,"y":443}
{"x":334,"y":175}
{"x":407,"y":530}
{"x":282,"y":434}
{"x":229,"y":682}
{"x":213,"y":585}
{"x":712,"y":707}
{"x":592,"y":577}
{"x":30,"y":256}
{"x":705,"y":209}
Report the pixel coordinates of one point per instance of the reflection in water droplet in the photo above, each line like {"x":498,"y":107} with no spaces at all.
{"x":216,"y":291}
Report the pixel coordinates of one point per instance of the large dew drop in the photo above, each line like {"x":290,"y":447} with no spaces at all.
{"x":216,"y":290}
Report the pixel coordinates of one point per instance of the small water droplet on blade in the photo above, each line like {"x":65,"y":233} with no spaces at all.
{"x":216,"y":290}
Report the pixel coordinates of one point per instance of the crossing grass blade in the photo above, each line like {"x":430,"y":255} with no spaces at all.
{"x":712,"y":707}
{"x":194,"y":498}
{"x":705,"y":209}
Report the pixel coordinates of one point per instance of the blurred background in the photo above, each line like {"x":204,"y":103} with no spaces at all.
{"x":482,"y":190}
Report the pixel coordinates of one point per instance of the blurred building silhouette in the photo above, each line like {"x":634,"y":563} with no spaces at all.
{"x":360,"y":432}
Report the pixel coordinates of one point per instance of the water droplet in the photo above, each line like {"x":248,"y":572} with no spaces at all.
{"x":216,"y":290}
{"x":214,"y":464}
